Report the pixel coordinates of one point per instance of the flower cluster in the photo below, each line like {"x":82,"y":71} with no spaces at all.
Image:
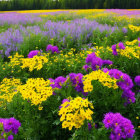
{"x":96,"y":62}
{"x":77,"y":82}
{"x":36,"y":62}
{"x":102,"y":77}
{"x":9,"y":125}
{"x":121,"y":127}
{"x":15,"y":60}
{"x":120,"y":46}
{"x":58,"y":82}
{"x":33,"y":53}
{"x":124,"y":82}
{"x":53,"y":49}
{"x":134,"y":28}
{"x":36,"y":90}
{"x":137,"y":80}
{"x":8,"y":88}
{"x":74,"y":112}
{"x":130,"y":52}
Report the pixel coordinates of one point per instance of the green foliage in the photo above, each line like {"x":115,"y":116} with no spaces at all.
{"x":68,"y":4}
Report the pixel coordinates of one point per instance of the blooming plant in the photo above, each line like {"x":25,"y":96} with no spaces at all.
{"x":74,"y":112}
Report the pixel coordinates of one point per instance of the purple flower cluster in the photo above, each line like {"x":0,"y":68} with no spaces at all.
{"x":53,"y":49}
{"x":17,"y":18}
{"x":120,"y":46}
{"x":139,"y":41}
{"x":58,"y":82}
{"x":137,"y":80}
{"x":96,"y":62}
{"x":121,"y":127}
{"x":33,"y":53}
{"x":10,"y":125}
{"x":79,"y":27}
{"x":77,"y":82}
{"x":124,"y":82}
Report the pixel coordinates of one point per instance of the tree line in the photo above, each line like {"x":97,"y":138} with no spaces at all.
{"x":68,"y":4}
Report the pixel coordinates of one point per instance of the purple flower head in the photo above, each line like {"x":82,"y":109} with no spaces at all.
{"x":59,"y":81}
{"x":137,"y":80}
{"x":124,"y":82}
{"x":33,"y":53}
{"x":86,"y":67}
{"x":90,"y":57}
{"x":138,"y":38}
{"x":124,"y":30}
{"x":89,"y":126}
{"x":114,"y":49}
{"x":10,"y":137}
{"x":10,"y":125}
{"x":129,"y":96}
{"x":121,"y":45}
{"x":53,"y":49}
{"x":77,"y":82}
{"x":96,"y":63}
{"x":122,"y":128}
{"x":108,"y":62}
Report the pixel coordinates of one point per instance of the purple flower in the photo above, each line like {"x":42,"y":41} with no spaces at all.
{"x":10,"y":125}
{"x":129,"y":95}
{"x":96,"y":63}
{"x":89,"y":126}
{"x":108,"y":62}
{"x":124,"y":30}
{"x":10,"y":137}
{"x":124,"y":82}
{"x":51,"y":48}
{"x":90,"y":57}
{"x":77,"y":82}
{"x":121,"y":45}
{"x":33,"y":53}
{"x":137,"y":80}
{"x":114,"y":49}
{"x":58,"y":82}
{"x":122,"y":128}
{"x":86,"y":67}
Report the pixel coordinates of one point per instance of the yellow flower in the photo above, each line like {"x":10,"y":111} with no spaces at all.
{"x":75,"y":112}
{"x":36,"y":90}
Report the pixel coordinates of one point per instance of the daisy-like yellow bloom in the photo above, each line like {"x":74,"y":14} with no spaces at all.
{"x":102,"y":77}
{"x":36,"y":62}
{"x":8,"y":88}
{"x":134,"y":28}
{"x":15,"y":60}
{"x":36,"y":90}
{"x":74,"y":112}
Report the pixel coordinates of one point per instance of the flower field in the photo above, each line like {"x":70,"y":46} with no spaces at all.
{"x":70,"y":74}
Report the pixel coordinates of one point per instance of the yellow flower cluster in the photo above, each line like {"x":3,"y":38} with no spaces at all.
{"x":15,"y":60}
{"x":134,"y":28}
{"x":134,"y":42}
{"x":34,"y":63}
{"x":8,"y":88}
{"x":36,"y":90}
{"x":75,"y":112}
{"x":102,"y":77}
{"x":130,"y":52}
